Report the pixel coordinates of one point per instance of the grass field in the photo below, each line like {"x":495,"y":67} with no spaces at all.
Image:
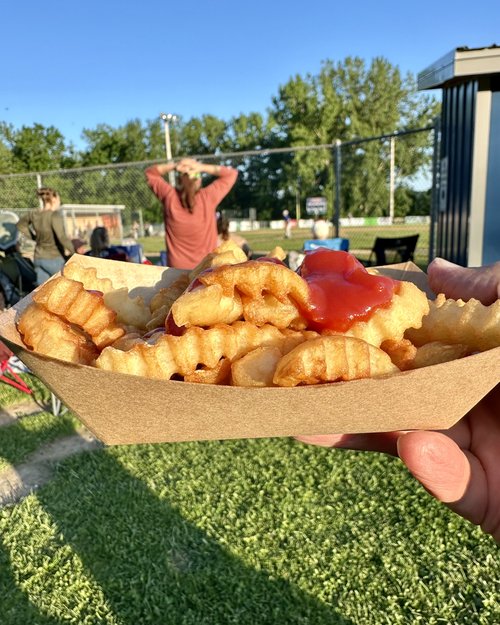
{"x":234,"y":532}
{"x":361,"y":240}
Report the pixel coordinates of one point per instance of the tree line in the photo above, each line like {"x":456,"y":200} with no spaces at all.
{"x":344,"y":101}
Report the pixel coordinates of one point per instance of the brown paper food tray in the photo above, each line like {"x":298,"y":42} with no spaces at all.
{"x":125,"y":409}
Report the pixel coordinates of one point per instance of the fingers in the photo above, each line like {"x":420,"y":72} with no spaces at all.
{"x":188,"y":163}
{"x":453,"y":476}
{"x":456,"y":282}
{"x":188,"y":166}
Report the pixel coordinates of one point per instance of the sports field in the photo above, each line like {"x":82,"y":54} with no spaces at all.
{"x":361,"y":240}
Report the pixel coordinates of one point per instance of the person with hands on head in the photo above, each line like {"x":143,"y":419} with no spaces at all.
{"x":189,"y":208}
{"x":459,"y":466}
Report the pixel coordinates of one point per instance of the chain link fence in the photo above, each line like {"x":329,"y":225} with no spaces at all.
{"x":370,"y":186}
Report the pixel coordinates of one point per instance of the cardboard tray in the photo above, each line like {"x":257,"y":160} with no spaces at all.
{"x":125,"y":409}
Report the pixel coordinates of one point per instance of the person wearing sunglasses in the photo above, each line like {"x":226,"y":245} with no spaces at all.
{"x":189,"y":208}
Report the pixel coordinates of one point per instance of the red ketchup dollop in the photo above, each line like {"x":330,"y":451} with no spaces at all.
{"x":342,"y":291}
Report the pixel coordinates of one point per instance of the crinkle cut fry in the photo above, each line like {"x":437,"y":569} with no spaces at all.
{"x":181,"y":355}
{"x":130,"y":311}
{"x":220,"y":374}
{"x":48,"y":334}
{"x":68,"y":299}
{"x":331,"y":359}
{"x":162,"y":301}
{"x":228,"y":253}
{"x":268,"y":309}
{"x":166,"y":296}
{"x":88,"y":277}
{"x":206,"y":306}
{"x":406,"y":356}
{"x":253,"y":277}
{"x":455,"y":321}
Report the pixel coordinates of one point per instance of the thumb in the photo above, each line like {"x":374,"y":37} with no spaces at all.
{"x":450,"y":474}
{"x":456,"y":282}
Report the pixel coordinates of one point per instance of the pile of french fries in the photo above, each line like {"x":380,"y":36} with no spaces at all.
{"x":243,"y":323}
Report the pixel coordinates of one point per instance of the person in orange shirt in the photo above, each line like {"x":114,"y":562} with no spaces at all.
{"x":189,"y":208}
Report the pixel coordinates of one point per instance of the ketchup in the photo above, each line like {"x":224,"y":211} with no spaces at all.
{"x":342,"y":291}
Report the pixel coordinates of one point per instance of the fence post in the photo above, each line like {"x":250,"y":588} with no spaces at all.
{"x":435,"y":189}
{"x":39,"y":186}
{"x":391,"y":178}
{"x":336,"y":198}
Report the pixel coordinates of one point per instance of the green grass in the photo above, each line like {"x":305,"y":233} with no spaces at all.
{"x":361,"y":240}
{"x":26,"y":434}
{"x":258,"y":531}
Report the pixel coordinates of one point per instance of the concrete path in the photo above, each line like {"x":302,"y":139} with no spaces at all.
{"x":12,"y":413}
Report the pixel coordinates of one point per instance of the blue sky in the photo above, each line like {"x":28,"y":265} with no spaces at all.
{"x":75,"y":65}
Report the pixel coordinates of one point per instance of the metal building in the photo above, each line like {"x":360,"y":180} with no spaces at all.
{"x":466,"y":211}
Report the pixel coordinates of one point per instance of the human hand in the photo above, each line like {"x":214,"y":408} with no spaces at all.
{"x":482,"y":283}
{"x":188,"y":166}
{"x":458,"y":466}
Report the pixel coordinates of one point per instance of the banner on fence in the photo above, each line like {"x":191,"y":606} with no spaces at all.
{"x":316,"y":206}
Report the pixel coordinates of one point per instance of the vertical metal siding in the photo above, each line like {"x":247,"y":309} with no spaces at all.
{"x":457,"y":128}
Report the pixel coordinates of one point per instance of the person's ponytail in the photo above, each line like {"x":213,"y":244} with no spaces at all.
{"x":187,"y":192}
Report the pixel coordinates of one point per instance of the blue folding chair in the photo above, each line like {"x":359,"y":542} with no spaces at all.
{"x":337,"y":243}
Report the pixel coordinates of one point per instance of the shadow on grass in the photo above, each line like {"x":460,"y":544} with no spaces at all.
{"x":152,"y":565}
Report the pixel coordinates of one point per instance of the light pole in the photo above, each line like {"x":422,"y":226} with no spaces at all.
{"x":167,"y":118}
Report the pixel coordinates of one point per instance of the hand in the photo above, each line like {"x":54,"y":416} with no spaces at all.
{"x":458,"y":466}
{"x":482,"y":283}
{"x":188,"y":166}
{"x":191,"y":166}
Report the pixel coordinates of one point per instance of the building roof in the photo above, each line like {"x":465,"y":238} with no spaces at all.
{"x":459,"y":64}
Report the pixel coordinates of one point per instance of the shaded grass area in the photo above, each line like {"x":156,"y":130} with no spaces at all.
{"x":257,"y":531}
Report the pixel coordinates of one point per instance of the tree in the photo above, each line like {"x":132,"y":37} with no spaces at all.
{"x":127,"y":143}
{"x":6,"y":158}
{"x":205,"y":135}
{"x":36,"y":148}
{"x":347,"y":101}
{"x":257,"y":173}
